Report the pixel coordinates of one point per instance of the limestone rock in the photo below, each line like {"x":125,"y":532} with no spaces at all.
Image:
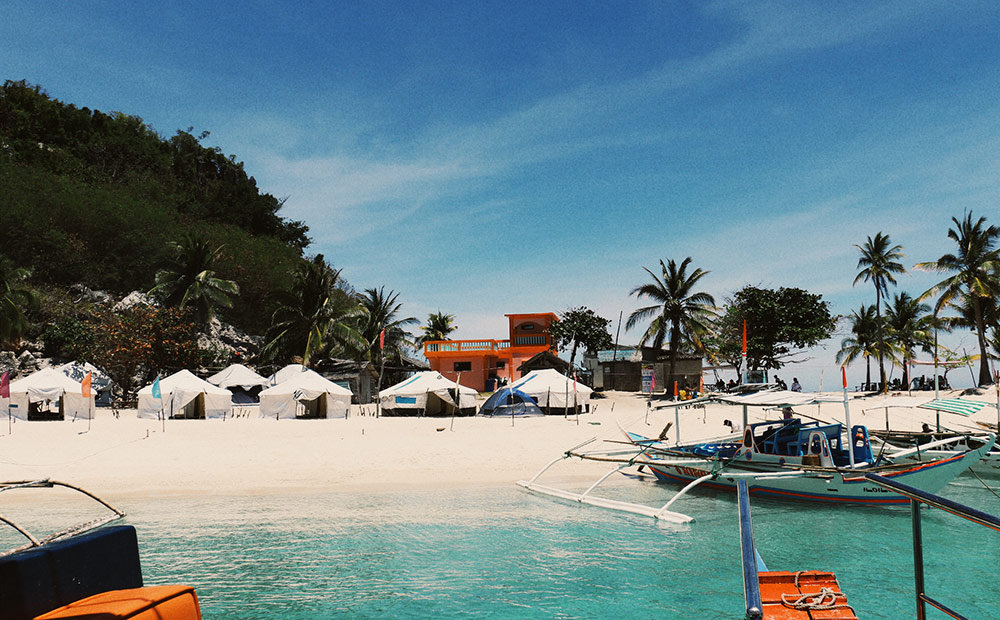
{"x":135,"y":298}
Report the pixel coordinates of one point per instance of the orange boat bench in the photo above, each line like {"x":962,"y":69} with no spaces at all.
{"x":150,"y":603}
{"x":807,"y":586}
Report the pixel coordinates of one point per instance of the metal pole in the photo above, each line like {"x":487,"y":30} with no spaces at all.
{"x":918,"y":560}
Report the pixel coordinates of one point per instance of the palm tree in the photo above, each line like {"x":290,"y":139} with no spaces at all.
{"x":315,"y":315}
{"x":439,"y":326}
{"x":976,"y":279}
{"x":688,"y":315}
{"x":188,"y":279}
{"x":909,"y":326}
{"x":381,"y":312}
{"x":879,"y":264}
{"x":14,"y":300}
{"x":863,"y":341}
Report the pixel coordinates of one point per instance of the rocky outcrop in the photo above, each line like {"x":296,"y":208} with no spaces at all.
{"x":82,"y":294}
{"x":228,"y":342}
{"x":135,"y":298}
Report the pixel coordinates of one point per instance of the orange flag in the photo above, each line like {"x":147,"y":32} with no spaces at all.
{"x":85,"y":384}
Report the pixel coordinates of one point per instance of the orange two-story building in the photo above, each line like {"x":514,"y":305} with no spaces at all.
{"x":475,"y":362}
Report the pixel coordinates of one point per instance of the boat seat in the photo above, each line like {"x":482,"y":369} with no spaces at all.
{"x":43,"y":578}
{"x":151,"y":603}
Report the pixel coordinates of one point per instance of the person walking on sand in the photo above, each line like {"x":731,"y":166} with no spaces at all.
{"x":796,"y":387}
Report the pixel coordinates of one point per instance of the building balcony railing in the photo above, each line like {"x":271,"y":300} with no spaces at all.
{"x":463,"y":346}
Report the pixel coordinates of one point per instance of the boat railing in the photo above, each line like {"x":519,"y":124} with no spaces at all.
{"x":751,"y":580}
{"x":918,"y":497}
{"x":37,"y":541}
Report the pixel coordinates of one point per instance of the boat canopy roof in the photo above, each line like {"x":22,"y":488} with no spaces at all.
{"x":763,"y":398}
{"x":960,"y":406}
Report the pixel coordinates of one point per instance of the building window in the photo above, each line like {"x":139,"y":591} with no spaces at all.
{"x":522,"y":341}
{"x":527,"y":327}
{"x":463,"y":366}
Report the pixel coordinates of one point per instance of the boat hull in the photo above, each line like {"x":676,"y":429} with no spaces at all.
{"x":833,"y":486}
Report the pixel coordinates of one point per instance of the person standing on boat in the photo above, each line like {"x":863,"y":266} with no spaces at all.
{"x":796,"y":387}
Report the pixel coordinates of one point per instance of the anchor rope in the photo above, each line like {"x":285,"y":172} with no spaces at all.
{"x":825,"y":599}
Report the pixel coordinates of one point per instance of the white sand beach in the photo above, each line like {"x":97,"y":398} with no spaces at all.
{"x":128,"y":457}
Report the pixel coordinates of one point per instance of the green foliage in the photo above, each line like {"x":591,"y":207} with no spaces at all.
{"x":863,"y":341}
{"x":142,"y":341}
{"x":381,"y":312}
{"x":94,"y":198}
{"x":16,"y":299}
{"x":579,"y":326}
{"x":316,"y":316}
{"x":780,"y":323}
{"x":189,"y":280}
{"x":439,"y":327}
{"x":975,"y":282}
{"x":119,"y":149}
{"x":680,"y":311}
{"x":69,"y":337}
{"x":879,"y":265}
{"x":908,"y":326}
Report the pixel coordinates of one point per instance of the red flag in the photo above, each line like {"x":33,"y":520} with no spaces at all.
{"x":574,"y":380}
{"x":5,"y":385}
{"x":843,"y":372}
{"x":744,"y":337}
{"x":85,"y":384}
{"x":381,"y":339}
{"x":675,"y":388}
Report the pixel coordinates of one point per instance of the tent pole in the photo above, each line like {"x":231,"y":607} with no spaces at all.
{"x":458,"y":399}
{"x":510,"y":401}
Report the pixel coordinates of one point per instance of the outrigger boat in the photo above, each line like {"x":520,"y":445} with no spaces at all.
{"x":86,"y":571}
{"x":788,"y":458}
{"x":892,"y":441}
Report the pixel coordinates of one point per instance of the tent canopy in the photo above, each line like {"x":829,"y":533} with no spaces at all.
{"x":549,"y":388}
{"x":180,"y":390}
{"x":429,"y":391}
{"x":288,"y":372}
{"x":237,"y":375}
{"x":509,"y":402}
{"x":49,"y":385}
{"x":322,"y":397}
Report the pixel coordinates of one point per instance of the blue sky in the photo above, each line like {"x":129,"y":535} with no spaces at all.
{"x":483,"y":158}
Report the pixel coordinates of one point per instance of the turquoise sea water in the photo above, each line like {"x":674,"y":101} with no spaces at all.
{"x":505,"y":553}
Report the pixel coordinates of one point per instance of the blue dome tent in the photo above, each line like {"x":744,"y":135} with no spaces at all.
{"x":509,"y":402}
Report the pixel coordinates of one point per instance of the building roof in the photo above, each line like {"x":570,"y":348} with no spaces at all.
{"x":545,"y":359}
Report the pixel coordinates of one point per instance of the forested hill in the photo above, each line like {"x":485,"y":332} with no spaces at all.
{"x":95,"y":197}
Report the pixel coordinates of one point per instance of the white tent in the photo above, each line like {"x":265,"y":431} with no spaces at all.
{"x":100,"y":383}
{"x":551,"y":389}
{"x":45,"y":395}
{"x":244,"y":384}
{"x":237,"y":375}
{"x":428,"y":392}
{"x":185,"y":396}
{"x":288,"y":372}
{"x":319,"y":396}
